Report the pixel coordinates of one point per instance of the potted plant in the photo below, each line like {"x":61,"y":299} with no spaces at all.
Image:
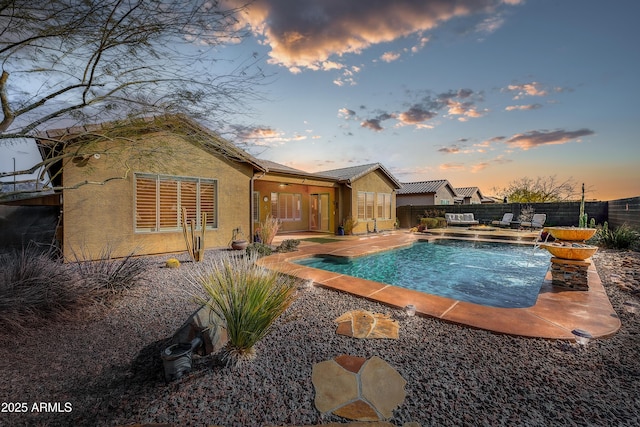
{"x":238,"y":241}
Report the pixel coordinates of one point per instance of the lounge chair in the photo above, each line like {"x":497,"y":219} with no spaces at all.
{"x":460,"y":219}
{"x":536,"y":222}
{"x":505,"y":221}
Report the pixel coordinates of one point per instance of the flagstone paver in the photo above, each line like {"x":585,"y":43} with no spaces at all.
{"x":364,"y":324}
{"x":357,"y":388}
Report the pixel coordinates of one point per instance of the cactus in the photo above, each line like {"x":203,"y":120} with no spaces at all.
{"x":592,"y":223}
{"x":195,"y":243}
{"x":582,"y":217}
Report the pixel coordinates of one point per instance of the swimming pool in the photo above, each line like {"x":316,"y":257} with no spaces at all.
{"x":486,"y":273}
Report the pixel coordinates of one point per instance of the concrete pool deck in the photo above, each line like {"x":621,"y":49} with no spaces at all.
{"x":556,"y":313}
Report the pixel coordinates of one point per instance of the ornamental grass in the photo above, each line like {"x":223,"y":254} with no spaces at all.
{"x":249,"y":298}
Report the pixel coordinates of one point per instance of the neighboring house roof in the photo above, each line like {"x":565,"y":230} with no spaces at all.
{"x":352,"y":173}
{"x":468,"y":191}
{"x":424,"y":187}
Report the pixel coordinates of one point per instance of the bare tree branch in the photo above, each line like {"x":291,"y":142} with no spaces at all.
{"x":67,"y":63}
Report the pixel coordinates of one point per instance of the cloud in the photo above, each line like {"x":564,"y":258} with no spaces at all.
{"x":451,"y":166}
{"x":459,"y":104}
{"x":415,"y":115}
{"x":375,"y":124}
{"x":390,"y":56}
{"x":266,"y":136}
{"x":303,"y":34}
{"x":479,"y":166}
{"x":533,"y":139}
{"x":345,"y":113}
{"x":523,"y":107}
{"x":454,"y":149}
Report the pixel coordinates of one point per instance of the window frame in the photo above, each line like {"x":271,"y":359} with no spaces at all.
{"x":293,"y":206}
{"x":383,"y":206}
{"x":365,"y":205}
{"x":165,"y":215}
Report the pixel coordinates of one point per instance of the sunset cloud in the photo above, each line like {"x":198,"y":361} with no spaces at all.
{"x":458,"y":104}
{"x":305,"y":34}
{"x":533,"y":139}
{"x":451,"y":166}
{"x":266,"y":136}
{"x":375,"y":123}
{"x":523,"y":107}
{"x":390,"y":56}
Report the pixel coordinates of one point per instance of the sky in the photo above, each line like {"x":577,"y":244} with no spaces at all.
{"x":480,"y":93}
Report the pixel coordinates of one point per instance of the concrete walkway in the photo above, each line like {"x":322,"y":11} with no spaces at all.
{"x":556,"y":313}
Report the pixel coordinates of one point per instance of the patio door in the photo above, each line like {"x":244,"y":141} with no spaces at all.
{"x":319,"y":215}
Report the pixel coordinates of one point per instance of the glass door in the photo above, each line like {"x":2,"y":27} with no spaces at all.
{"x":319,"y":212}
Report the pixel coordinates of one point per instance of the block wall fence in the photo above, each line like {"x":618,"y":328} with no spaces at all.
{"x":616,"y":212}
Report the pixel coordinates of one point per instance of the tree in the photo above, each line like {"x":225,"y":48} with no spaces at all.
{"x":67,"y":63}
{"x":538,"y":190}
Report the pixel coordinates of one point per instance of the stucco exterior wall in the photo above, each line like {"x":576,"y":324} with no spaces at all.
{"x":96,"y":216}
{"x":375,"y":182}
{"x":414,"y":199}
{"x":444,"y":193}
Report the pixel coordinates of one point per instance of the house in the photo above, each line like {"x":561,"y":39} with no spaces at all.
{"x":469,"y":196}
{"x":438,"y":192}
{"x":124,"y":185}
{"x":363,"y":195}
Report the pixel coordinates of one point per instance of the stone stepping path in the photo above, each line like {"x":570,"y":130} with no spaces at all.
{"x":356,"y":388}
{"x":364,"y":324}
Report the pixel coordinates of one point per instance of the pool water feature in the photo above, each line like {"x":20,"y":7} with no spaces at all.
{"x":487,"y":273}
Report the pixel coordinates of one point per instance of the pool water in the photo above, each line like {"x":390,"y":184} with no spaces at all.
{"x":486,"y":273}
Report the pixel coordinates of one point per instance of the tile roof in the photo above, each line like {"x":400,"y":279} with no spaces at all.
{"x":467,"y":191}
{"x":352,"y":173}
{"x":422,"y":187}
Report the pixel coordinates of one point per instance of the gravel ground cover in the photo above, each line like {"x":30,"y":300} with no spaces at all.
{"x":104,"y":369}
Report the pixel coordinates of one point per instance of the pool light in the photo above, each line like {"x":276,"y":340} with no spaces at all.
{"x":582,"y":337}
{"x":410,"y":310}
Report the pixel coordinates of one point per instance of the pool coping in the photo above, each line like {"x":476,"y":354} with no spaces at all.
{"x":556,"y":313}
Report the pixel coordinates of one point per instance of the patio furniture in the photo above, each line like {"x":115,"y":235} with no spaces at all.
{"x":537,"y":221}
{"x":460,"y":219}
{"x":505,"y":221}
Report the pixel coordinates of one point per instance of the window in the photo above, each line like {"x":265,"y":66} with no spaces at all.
{"x":384,"y":206}
{"x":256,"y":207}
{"x":160,"y":199}
{"x":365,"y":205}
{"x":286,"y":206}
{"x":445,"y":201}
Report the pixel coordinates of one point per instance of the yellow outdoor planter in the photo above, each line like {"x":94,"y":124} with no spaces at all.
{"x":574,"y":234}
{"x":573,"y":251}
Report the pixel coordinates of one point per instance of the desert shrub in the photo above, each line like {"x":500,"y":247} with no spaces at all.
{"x":108,"y":276}
{"x":349,"y":224}
{"x":433,"y":213}
{"x":622,"y":237}
{"x":248,"y":297}
{"x":258,"y":250}
{"x":35,"y":286}
{"x":288,"y":245}
{"x":268,"y":229}
{"x":431,"y":223}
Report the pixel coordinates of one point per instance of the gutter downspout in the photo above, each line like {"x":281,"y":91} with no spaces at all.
{"x":251,"y":206}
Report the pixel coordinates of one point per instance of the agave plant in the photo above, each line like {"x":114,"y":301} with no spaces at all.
{"x":248,"y":297}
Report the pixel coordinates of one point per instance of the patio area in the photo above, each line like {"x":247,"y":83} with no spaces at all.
{"x":555,"y":315}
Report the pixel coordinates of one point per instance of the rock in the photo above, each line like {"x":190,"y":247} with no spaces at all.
{"x":358,"y":389}
{"x":364,"y":324}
